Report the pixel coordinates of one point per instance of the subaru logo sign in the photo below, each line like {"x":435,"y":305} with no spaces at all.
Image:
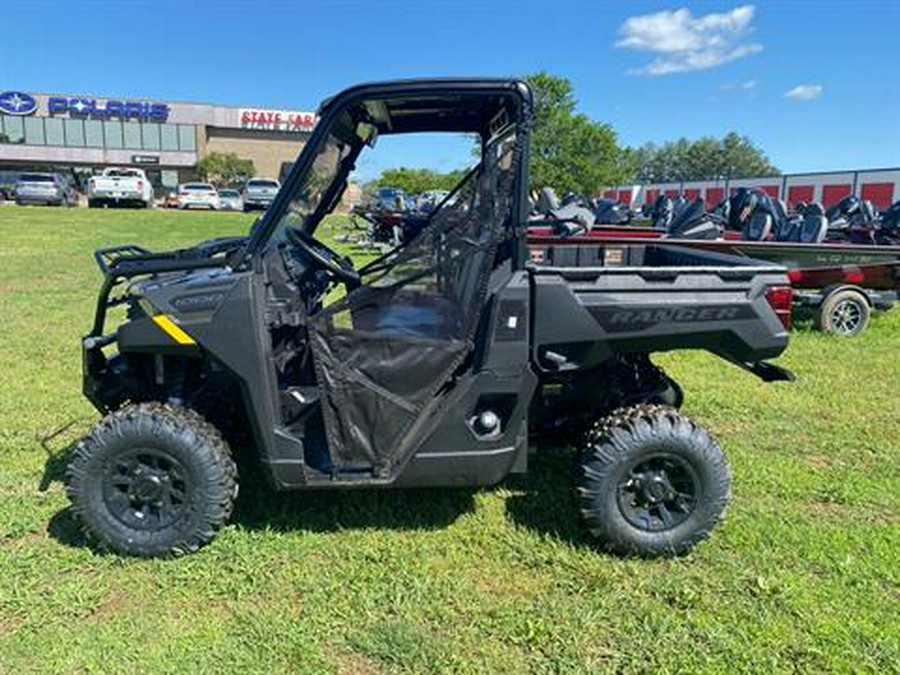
{"x":17,"y":103}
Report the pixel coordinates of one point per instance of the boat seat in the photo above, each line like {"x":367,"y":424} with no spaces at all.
{"x":758,"y":227}
{"x":814,"y":229}
{"x":787,"y":230}
{"x":814,"y":209}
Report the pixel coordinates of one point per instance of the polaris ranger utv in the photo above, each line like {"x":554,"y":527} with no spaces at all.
{"x":438,"y":366}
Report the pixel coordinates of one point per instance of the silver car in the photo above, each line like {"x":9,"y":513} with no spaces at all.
{"x":230,"y":200}
{"x":44,"y":188}
{"x":259,"y":193}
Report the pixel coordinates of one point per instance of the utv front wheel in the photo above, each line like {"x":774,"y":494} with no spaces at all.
{"x":650,"y":482}
{"x":152,"y":480}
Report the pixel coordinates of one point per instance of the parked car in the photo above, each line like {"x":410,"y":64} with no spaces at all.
{"x":120,"y":187}
{"x":8,"y":180}
{"x":44,"y":188}
{"x":230,"y":200}
{"x":390,"y":199}
{"x":170,"y":201}
{"x":259,"y":193}
{"x":429,"y":199}
{"x":197,"y":195}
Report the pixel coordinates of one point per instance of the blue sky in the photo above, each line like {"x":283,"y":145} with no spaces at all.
{"x":654,"y":70}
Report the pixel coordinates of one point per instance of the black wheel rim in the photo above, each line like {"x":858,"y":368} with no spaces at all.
{"x":846,"y":317}
{"x":658,"y":493}
{"x":147,"y":489}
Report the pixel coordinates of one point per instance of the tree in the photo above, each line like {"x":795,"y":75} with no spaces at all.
{"x":416,"y":181}
{"x":569,"y":151}
{"x":706,"y":158}
{"x":225,"y":169}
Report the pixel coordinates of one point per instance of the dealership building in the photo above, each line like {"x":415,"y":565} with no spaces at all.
{"x":81,"y":135}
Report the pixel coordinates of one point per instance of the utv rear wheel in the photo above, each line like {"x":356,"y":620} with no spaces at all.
{"x":152,"y":480}
{"x":650,"y":482}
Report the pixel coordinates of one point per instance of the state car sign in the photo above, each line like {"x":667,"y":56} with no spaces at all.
{"x":277,"y":120}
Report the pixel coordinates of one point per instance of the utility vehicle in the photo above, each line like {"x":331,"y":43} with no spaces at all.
{"x":440,"y":365}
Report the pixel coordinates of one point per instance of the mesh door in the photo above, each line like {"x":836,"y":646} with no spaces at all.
{"x":383,"y":352}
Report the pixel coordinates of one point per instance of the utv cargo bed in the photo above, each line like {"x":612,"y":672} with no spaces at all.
{"x":595,"y":301}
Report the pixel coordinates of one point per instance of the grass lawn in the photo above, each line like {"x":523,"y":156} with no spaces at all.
{"x":803,"y":576}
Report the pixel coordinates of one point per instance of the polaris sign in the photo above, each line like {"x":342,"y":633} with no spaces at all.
{"x":17,"y":103}
{"x":123,"y":110}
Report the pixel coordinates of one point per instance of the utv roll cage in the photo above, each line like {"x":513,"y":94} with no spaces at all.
{"x":407,"y":106}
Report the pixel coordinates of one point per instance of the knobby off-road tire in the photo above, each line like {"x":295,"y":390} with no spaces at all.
{"x":650,"y":482}
{"x":844,"y":313}
{"x":152,"y":480}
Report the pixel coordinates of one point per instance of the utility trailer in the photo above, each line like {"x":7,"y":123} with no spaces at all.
{"x":442,"y":364}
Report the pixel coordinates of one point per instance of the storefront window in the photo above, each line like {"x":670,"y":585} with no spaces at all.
{"x":34,"y":130}
{"x":13,"y":129}
{"x":93,"y":133}
{"x":187,"y":138}
{"x":168,"y":136}
{"x":113,"y":133}
{"x":131,"y":132}
{"x":53,"y":129}
{"x":150,"y":134}
{"x":74,"y":133}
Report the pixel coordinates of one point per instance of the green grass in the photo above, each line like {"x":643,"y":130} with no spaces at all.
{"x":803,"y":576}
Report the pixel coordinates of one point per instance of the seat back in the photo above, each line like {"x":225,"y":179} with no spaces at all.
{"x":814,"y":209}
{"x":758,"y":227}
{"x":813,"y":229}
{"x":787,"y":230}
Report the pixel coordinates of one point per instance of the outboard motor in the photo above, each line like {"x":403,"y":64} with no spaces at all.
{"x":547,"y":201}
{"x":694,"y":223}
{"x":680,"y":203}
{"x":890,"y":219}
{"x":611,"y":212}
{"x":663,"y":213}
{"x":746,"y":215}
{"x":841,"y":215}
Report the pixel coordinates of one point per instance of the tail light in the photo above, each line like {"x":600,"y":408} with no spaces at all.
{"x":93,"y":184}
{"x":780,"y":299}
{"x":140,"y":185}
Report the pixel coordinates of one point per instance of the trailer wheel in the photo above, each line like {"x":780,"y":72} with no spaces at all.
{"x":650,"y":482}
{"x":843,"y":312}
{"x":152,"y":480}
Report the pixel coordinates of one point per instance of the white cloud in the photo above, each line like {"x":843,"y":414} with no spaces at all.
{"x":747,"y":85}
{"x":805,"y":92}
{"x":689,"y":43}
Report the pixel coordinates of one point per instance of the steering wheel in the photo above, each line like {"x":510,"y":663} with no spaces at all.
{"x":323,"y":257}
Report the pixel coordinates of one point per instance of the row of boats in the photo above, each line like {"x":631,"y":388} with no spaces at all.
{"x":849,"y":251}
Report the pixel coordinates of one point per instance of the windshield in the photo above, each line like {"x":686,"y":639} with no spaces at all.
{"x":123,"y":173}
{"x":35,"y":178}
{"x":262,"y":183}
{"x":325,"y":169}
{"x":200,"y":187}
{"x":229,"y":193}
